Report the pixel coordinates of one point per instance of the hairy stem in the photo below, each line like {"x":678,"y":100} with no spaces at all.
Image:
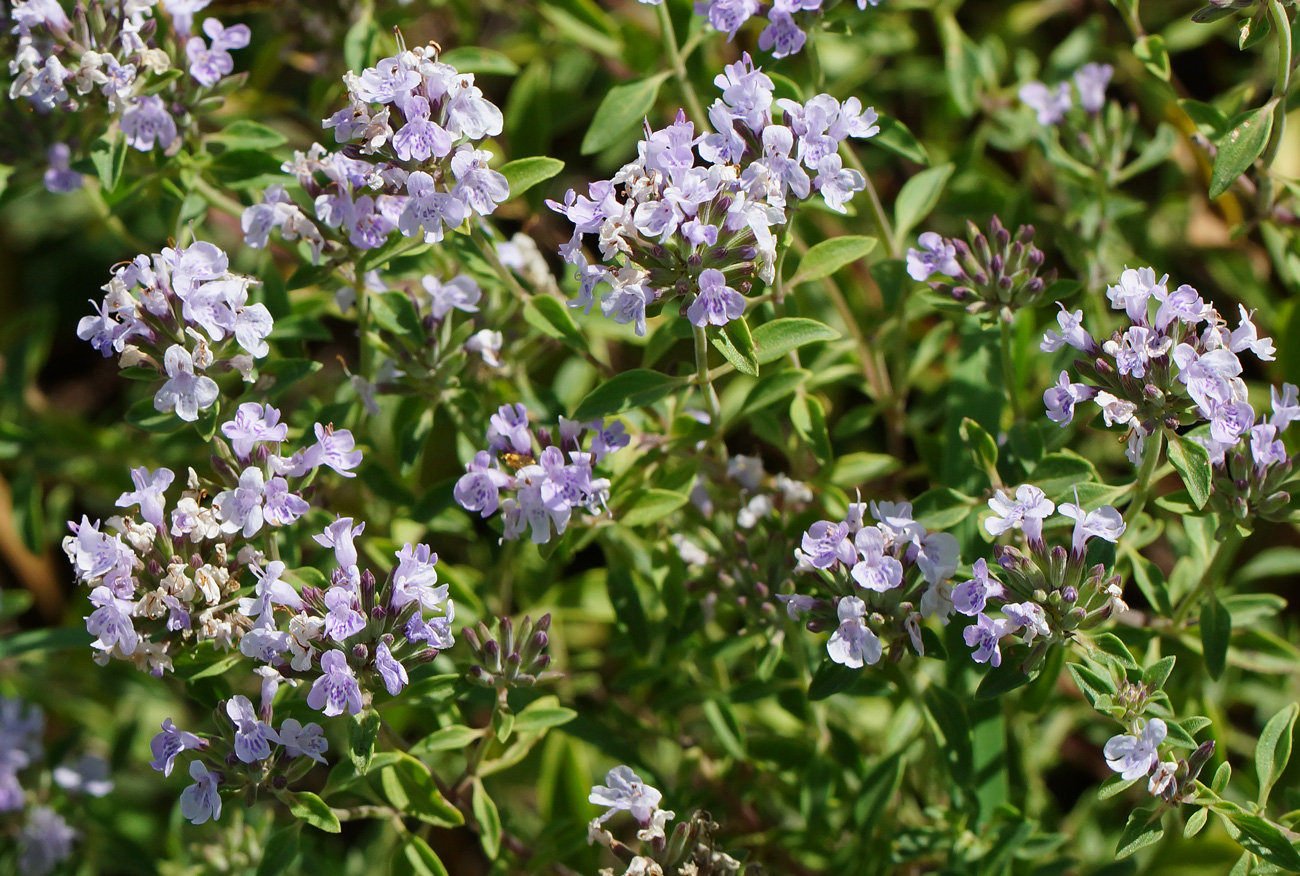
{"x":703,"y":381}
{"x":1009,"y":371}
{"x":1142,"y":486}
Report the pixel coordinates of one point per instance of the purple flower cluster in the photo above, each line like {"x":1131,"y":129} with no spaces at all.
{"x":1252,"y":477}
{"x":413,"y":120}
{"x":248,"y":751}
{"x":782,"y":36}
{"x":44,"y":837}
{"x":172,"y":574}
{"x":1052,"y":103}
{"x":1048,"y":593}
{"x":1176,"y":364}
{"x":546,"y":487}
{"x":115,"y":53}
{"x":181,"y":312}
{"x":668,"y":224}
{"x":886,"y":576}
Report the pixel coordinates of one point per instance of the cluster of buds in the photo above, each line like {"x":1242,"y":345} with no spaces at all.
{"x":1176,"y":364}
{"x":750,"y":512}
{"x":111,"y":57}
{"x":1252,"y":479}
{"x":668,"y":227}
{"x":1048,"y":592}
{"x":994,"y":274}
{"x":515,"y":658}
{"x":409,"y":162}
{"x":181,"y":312}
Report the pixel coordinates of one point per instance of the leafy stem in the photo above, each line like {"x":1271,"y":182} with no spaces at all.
{"x":678,"y":63}
{"x":1142,"y":486}
{"x":703,"y":381}
{"x":1282,"y":27}
{"x":1009,"y":371}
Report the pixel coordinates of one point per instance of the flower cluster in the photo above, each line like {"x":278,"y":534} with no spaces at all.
{"x":546,"y":488}
{"x":782,"y":36}
{"x":409,"y":162}
{"x":44,"y":836}
{"x":997,"y":273}
{"x":1048,"y":593}
{"x":247,"y":755}
{"x":173,"y":574}
{"x":1251,"y":478}
{"x":1176,"y":364}
{"x":689,"y":849}
{"x":1136,"y":755}
{"x":111,"y":52}
{"x":1051,"y":104}
{"x":181,"y":312}
{"x":669,"y":226}
{"x":884,"y":577}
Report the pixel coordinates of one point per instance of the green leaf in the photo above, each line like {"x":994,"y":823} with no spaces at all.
{"x":472,"y":59}
{"x":280,"y":851}
{"x":1155,"y":675}
{"x":1216,"y":630}
{"x":626,"y":600}
{"x":1193,"y":464}
{"x":552,"y":316}
{"x":830,"y":255}
{"x":736,"y":345}
{"x":394,"y":312}
{"x":108,"y":154}
{"x":1195,"y":822}
{"x":315,"y":811}
{"x":143,"y":415}
{"x":48,"y":639}
{"x":415,"y":858}
{"x":941,"y":508}
{"x":489,"y":821}
{"x":725,"y":728}
{"x":856,"y":469}
{"x":918,"y":197}
{"x":631,"y":389}
{"x":452,"y":738}
{"x":1150,"y":50}
{"x":831,"y":678}
{"x":246,"y":134}
{"x":503,"y":721}
{"x":1274,"y":749}
{"x":1001,"y":679}
{"x":1142,"y":830}
{"x":981,"y":444}
{"x":409,"y":787}
{"x":537,"y":717}
{"x":1112,"y":645}
{"x":650,"y":506}
{"x":1263,"y":838}
{"x":1116,"y":784}
{"x":623,"y":107}
{"x":524,"y":173}
{"x":1157,"y":150}
{"x":808,"y":418}
{"x":1240,"y":146}
{"x":953,"y":723}
{"x":775,"y":339}
{"x":361,"y":740}
{"x":895,"y":137}
{"x":772,"y":388}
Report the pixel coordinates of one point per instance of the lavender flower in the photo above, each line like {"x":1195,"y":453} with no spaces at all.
{"x":936,"y":255}
{"x":169,"y":743}
{"x":624,"y":791}
{"x":201,"y":801}
{"x":336,"y":690}
{"x":1027,"y":512}
{"x":1134,"y":756}
{"x":717,"y":303}
{"x":983,"y":636}
{"x":1050,"y":104}
{"x":146,"y":123}
{"x":253,"y":738}
{"x":390,"y":669}
{"x":184,"y":391}
{"x":1091,"y":80}
{"x":853,"y":644}
{"x":44,"y":842}
{"x":303,"y":740}
{"x":148,"y":494}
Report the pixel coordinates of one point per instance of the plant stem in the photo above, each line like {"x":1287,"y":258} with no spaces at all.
{"x":1142,"y":486}
{"x":1282,"y":27}
{"x":702,"y":379}
{"x":1220,"y":558}
{"x":1009,"y":370}
{"x":490,"y":253}
{"x":669,"y":34}
{"x":877,"y":208}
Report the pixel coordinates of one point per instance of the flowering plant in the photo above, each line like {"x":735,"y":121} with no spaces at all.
{"x":920,"y":499}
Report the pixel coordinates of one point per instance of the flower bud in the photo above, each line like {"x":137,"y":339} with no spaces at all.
{"x":360,"y":652}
